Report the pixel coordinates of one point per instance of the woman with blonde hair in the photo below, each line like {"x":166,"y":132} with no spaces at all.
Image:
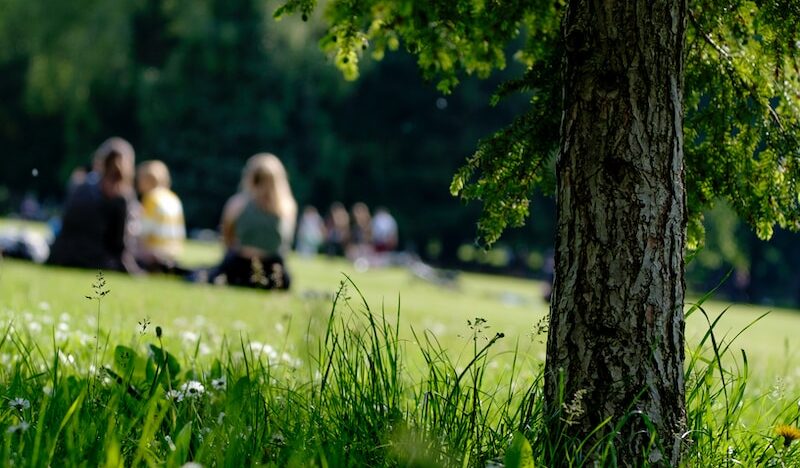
{"x":258,"y":226}
{"x":162,"y":229}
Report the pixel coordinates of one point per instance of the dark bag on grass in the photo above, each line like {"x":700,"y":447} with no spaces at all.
{"x":263,"y":273}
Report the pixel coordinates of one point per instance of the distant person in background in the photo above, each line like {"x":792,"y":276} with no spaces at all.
{"x":258,"y":226}
{"x":360,"y":229}
{"x":384,"y":231}
{"x":30,"y":208}
{"x":77,"y":177}
{"x":310,"y":232}
{"x":337,"y":230}
{"x":162,"y":231}
{"x":97,"y":221}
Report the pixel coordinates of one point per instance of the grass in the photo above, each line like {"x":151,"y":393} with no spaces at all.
{"x":395,"y":371}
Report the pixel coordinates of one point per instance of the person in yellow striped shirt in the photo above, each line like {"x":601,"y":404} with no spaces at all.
{"x":162,"y":230}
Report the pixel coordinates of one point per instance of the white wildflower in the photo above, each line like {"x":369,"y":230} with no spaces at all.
{"x":190,"y":337}
{"x":87,"y":339}
{"x":170,"y":443}
{"x":278,"y":439}
{"x":221,"y":417}
{"x":21,"y":427}
{"x":44,"y":305}
{"x":256,"y":346}
{"x":219,"y":384}
{"x":193,"y":389}
{"x":34,"y":327}
{"x":65,"y":358}
{"x":19,"y":404}
{"x":191,"y":464}
{"x":174,"y":395}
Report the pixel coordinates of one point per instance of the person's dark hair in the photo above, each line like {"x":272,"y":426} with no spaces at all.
{"x":117,"y":178}
{"x":112,"y":166}
{"x":112,"y":145}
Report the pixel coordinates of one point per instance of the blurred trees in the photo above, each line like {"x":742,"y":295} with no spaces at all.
{"x":204,"y":84}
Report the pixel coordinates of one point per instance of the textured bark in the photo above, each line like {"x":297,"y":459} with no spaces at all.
{"x":616,"y":345}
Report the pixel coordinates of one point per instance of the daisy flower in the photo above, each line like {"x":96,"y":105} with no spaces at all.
{"x":19,"y":404}
{"x":21,"y":427}
{"x":193,"y":389}
{"x":220,"y":383}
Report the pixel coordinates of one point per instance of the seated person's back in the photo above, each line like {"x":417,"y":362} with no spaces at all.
{"x":258,"y":225}
{"x":257,"y":229}
{"x":162,"y":230}
{"x":95,"y":220}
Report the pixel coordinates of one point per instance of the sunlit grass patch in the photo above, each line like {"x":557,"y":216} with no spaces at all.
{"x":161,"y":372}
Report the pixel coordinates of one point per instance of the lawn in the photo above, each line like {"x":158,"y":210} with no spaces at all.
{"x":221,"y":333}
{"x":509,"y":305}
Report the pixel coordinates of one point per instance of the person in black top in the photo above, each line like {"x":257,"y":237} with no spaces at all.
{"x":95,"y":230}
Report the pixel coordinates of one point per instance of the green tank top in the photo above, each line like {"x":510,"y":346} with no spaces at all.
{"x":257,"y":228}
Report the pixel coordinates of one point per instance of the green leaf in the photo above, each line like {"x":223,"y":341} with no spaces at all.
{"x":124,"y":360}
{"x":216,"y":369}
{"x":520,"y":454}
{"x":113,"y":455}
{"x":181,"y":453}
{"x":172,"y":363}
{"x":240,"y":390}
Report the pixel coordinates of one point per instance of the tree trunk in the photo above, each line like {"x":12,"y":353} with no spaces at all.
{"x":616,"y":346}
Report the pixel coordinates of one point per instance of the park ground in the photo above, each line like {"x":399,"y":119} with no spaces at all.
{"x":48,"y":307}
{"x":512,"y":306}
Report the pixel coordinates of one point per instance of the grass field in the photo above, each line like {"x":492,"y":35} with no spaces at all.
{"x":509,"y":305}
{"x":210,"y":330}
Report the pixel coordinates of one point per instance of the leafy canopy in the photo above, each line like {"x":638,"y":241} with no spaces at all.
{"x":742,"y":95}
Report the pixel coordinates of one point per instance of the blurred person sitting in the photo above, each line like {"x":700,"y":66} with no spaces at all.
{"x":77,"y":177}
{"x":384,"y":231}
{"x":97,"y":222}
{"x":310,"y":232}
{"x":360,"y":232}
{"x":258,"y":226}
{"x":162,"y":231}
{"x":337,"y":230}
